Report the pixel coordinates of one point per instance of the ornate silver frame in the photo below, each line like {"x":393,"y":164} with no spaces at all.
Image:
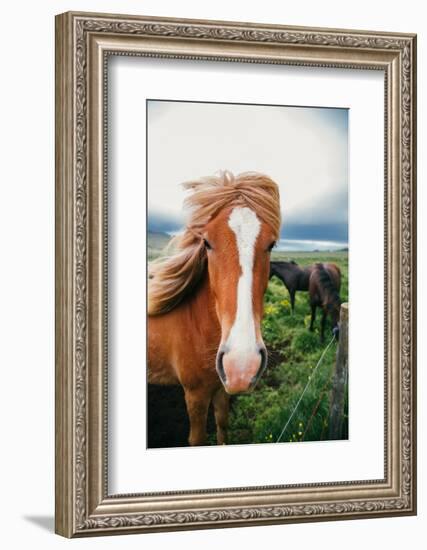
{"x":83,"y":42}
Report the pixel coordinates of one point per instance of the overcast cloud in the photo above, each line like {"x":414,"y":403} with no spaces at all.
{"x":305,"y":150}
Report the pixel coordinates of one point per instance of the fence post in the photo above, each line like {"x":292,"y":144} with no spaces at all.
{"x":336,"y":415}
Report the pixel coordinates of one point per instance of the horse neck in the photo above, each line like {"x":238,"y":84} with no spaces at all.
{"x":273,"y":270}
{"x":200,"y":309}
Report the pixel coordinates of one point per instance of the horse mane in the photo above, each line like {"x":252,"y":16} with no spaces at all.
{"x":328,"y":285}
{"x":173,"y":277}
{"x":277,"y":264}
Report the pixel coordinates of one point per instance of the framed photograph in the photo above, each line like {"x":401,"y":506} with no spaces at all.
{"x":235,"y":274}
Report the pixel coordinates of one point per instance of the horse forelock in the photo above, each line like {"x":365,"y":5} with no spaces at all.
{"x":173,"y":277}
{"x":211,"y":194}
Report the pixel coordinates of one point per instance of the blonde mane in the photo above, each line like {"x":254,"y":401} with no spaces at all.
{"x":173,"y":277}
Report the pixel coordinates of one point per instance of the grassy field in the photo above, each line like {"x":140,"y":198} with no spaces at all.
{"x":293,"y":353}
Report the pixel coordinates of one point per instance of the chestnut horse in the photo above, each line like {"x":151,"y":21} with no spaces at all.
{"x":205,"y":301}
{"x":324,"y":287}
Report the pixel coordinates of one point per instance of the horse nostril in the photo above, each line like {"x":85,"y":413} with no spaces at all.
{"x":220,"y":366}
{"x":263,"y":353}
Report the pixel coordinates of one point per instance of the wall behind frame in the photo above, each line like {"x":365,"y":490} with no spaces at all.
{"x":27,"y":271}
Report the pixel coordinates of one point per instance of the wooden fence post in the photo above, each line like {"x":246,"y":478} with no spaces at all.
{"x":336,"y":415}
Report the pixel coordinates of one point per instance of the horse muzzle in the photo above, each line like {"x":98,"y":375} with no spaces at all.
{"x":240,"y":371}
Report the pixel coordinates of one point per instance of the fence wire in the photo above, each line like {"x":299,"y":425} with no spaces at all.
{"x":310,"y":378}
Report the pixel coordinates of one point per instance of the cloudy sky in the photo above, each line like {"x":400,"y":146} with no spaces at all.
{"x":305,"y":150}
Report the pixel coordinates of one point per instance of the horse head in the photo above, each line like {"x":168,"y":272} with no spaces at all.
{"x":238,"y":245}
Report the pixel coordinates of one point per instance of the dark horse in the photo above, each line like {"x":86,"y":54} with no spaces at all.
{"x":292,"y":276}
{"x":324,"y":287}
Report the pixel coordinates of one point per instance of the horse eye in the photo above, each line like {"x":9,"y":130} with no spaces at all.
{"x":207,"y":244}
{"x":272,"y":245}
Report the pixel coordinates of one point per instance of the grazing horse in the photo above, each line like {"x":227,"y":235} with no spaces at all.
{"x":205,"y":301}
{"x":292,"y":276}
{"x":324,"y":287}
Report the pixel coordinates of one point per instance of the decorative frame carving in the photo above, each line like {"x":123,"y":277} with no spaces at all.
{"x":83,"y":42}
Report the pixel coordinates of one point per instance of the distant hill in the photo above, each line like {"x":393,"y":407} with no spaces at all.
{"x":156,"y":242}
